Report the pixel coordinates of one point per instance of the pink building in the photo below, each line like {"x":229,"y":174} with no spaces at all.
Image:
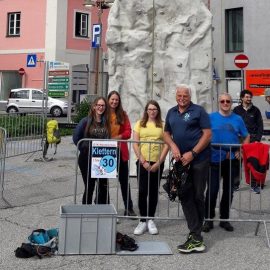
{"x":53,"y":30}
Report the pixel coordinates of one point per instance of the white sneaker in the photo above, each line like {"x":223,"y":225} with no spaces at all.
{"x":152,"y":227}
{"x":141,"y":228}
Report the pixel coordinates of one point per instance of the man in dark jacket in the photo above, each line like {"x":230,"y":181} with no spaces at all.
{"x":253,"y":121}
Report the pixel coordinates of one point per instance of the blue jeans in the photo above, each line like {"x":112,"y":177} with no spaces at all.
{"x":228,"y":170}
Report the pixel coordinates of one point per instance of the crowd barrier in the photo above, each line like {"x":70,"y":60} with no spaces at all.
{"x":24,"y":132}
{"x":246,"y":206}
{"x":3,"y":140}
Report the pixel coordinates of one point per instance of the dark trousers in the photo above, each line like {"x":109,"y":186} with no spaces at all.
{"x":124,"y":183}
{"x":102,"y":191}
{"x":228,"y":170}
{"x":148,"y":189}
{"x":193,"y":199}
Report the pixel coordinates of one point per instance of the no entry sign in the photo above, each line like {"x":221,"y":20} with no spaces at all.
{"x":21,"y":71}
{"x":241,"y":60}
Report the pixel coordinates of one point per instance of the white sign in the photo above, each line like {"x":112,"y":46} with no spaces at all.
{"x":57,"y":65}
{"x":104,"y":159}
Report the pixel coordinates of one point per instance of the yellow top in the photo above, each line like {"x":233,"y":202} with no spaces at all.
{"x":150,"y":151}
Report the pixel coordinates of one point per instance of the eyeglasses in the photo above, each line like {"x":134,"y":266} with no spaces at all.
{"x":152,"y":110}
{"x":225,"y":101}
{"x":100,"y":105}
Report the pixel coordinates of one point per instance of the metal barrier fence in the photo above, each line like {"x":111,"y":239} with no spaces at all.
{"x":24,"y":132}
{"x":3,"y":139}
{"x":245,"y":207}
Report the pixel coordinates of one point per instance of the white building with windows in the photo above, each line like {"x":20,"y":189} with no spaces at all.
{"x":241,"y":27}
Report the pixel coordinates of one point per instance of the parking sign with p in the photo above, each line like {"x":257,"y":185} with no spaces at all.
{"x":96,"y":36}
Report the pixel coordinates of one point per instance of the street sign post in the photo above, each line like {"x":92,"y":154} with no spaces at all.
{"x":21,"y":71}
{"x":58,"y":79}
{"x":241,"y":61}
{"x":31,"y":60}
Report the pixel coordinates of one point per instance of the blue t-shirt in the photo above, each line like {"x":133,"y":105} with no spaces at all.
{"x":226,"y":130}
{"x":186,"y":128}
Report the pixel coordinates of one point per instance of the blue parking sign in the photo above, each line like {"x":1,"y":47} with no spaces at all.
{"x":96,"y":36}
{"x":31,"y":60}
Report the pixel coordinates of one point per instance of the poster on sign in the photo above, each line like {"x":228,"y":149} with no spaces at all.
{"x":104,"y":159}
{"x":257,"y":80}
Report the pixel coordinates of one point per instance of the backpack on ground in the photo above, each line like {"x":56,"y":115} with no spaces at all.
{"x":42,"y":243}
{"x":53,"y":136}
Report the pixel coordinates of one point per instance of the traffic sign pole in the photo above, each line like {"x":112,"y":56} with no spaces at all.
{"x":241,"y":61}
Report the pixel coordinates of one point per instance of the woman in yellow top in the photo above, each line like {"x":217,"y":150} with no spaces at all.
{"x":150,"y":163}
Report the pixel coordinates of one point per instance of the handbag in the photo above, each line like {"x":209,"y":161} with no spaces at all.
{"x":177,"y":183}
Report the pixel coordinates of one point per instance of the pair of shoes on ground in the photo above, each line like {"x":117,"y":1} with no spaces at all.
{"x":256,"y":189}
{"x":130,"y":212}
{"x":125,"y":242}
{"x":209,"y":225}
{"x":192,"y":245}
{"x":143,"y":226}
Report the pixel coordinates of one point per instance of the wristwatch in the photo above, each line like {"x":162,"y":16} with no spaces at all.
{"x":194,"y":154}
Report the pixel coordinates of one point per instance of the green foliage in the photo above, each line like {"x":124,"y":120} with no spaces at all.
{"x":81,"y":110}
{"x":20,"y":125}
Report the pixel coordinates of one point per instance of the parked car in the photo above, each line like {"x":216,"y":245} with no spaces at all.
{"x":33,"y":100}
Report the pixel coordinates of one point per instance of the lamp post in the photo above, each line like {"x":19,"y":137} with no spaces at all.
{"x":100,"y":4}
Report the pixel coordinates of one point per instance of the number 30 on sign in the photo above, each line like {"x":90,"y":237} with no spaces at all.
{"x":104,"y":159}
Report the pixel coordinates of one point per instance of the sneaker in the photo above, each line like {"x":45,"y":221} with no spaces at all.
{"x":207,"y":226}
{"x":236,"y":188}
{"x":141,"y":228}
{"x":130,"y":212}
{"x":226,"y":226}
{"x":192,"y":245}
{"x":152,"y":227}
{"x":256,"y":189}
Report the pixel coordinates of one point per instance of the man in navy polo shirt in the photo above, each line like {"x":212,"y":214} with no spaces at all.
{"x":188,"y":133}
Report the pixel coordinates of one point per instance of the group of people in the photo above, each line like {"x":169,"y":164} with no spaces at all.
{"x":188,"y":132}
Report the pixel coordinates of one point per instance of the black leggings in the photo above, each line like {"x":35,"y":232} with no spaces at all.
{"x":102,"y":190}
{"x":148,"y":189}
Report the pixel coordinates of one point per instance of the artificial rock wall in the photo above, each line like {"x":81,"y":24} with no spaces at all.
{"x":155,"y":45}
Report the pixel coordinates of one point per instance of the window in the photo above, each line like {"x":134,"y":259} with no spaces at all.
{"x":81,"y":24}
{"x":23,"y":94}
{"x":234,"y":30}
{"x":37,"y":95}
{"x":14,"y":24}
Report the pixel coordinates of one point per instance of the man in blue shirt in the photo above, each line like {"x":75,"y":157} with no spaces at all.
{"x":227,"y":128}
{"x":188,"y":133}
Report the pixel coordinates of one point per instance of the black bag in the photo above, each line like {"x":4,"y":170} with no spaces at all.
{"x":177,"y":183}
{"x":28,"y":250}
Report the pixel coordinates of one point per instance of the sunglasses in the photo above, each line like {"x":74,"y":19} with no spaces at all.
{"x":225,"y":101}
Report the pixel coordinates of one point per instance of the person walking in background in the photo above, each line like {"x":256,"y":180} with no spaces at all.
{"x":95,"y":126}
{"x":267,"y":99}
{"x":188,"y":133}
{"x":252,"y":118}
{"x":121,"y":129}
{"x":150,"y":163}
{"x":227,"y":127}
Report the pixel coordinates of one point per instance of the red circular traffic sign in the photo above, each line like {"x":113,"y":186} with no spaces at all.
{"x":21,"y":71}
{"x":241,"y":60}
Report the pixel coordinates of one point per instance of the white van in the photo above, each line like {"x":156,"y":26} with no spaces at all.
{"x":33,"y":100}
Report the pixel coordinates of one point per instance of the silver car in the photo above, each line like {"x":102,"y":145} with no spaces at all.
{"x":33,"y":100}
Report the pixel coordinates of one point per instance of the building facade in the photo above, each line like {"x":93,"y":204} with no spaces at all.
{"x":52,"y":30}
{"x":241,"y":27}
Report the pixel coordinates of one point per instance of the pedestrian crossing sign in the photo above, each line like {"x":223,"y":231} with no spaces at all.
{"x":31,"y":60}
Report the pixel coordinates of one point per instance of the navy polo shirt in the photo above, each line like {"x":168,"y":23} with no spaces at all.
{"x":186,"y":128}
